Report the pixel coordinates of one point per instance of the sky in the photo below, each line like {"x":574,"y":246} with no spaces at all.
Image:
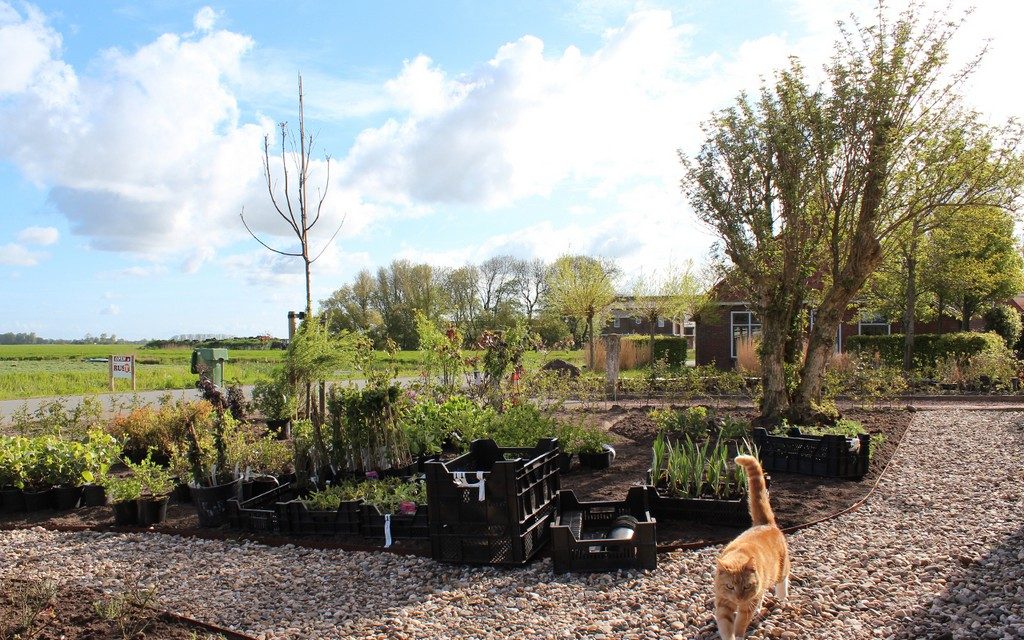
{"x":445,"y":132}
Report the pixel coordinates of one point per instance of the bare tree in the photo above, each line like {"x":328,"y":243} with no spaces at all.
{"x":296,"y":215}
{"x":532,"y":279}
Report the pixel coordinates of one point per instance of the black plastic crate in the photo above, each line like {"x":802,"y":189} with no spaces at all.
{"x":831,"y":456}
{"x":731,"y":513}
{"x":400,"y":526}
{"x":492,"y":505}
{"x":344,"y":521}
{"x":260,"y":514}
{"x":579,"y":534}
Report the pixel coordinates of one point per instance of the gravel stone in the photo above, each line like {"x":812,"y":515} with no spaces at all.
{"x":936,"y":552}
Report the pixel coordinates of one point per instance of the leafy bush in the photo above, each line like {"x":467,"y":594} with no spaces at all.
{"x":929,"y":349}
{"x":843,"y":427}
{"x":272,"y":399}
{"x":576,"y":437}
{"x":428,"y":425}
{"x":672,"y":349}
{"x":122,"y":488}
{"x":365,"y":429}
{"x":154,"y":479}
{"x":1005,"y":321}
{"x":692,"y":422}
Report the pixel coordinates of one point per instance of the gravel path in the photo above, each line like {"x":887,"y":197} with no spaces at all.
{"x":937,"y":552}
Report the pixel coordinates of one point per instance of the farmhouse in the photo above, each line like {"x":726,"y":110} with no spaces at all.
{"x":625,"y":318}
{"x":728,"y":319}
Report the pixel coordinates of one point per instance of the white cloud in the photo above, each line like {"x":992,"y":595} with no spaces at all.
{"x":110,"y":310}
{"x":16,"y":255}
{"x":39,"y":235}
{"x":205,"y":19}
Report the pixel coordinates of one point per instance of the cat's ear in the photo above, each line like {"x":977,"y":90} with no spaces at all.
{"x":750,"y":565}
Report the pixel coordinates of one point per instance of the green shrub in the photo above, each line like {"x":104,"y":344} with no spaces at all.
{"x":428,"y":424}
{"x":692,"y":422}
{"x":669,"y":348}
{"x":1006,"y":322}
{"x":928,"y":348}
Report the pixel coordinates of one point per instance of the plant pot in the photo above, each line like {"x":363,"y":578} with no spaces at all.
{"x":257,"y":487}
{"x":152,"y":510}
{"x":181,"y":493}
{"x":13,"y":501}
{"x":93,"y":495}
{"x":212,"y":502}
{"x":598,"y":461}
{"x":282,"y":427}
{"x":564,"y":461}
{"x":126,"y":513}
{"x":38,"y":500}
{"x":66,"y":498}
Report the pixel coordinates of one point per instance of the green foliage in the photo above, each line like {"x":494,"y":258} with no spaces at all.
{"x":519,"y":426}
{"x":273,"y":398}
{"x":671,"y":349}
{"x":313,"y":353}
{"x":1005,"y":321}
{"x":692,"y":422}
{"x":429,"y":424}
{"x":577,"y":437}
{"x":844,"y":427}
{"x":154,"y":479}
{"x":122,"y":488}
{"x":386,"y":494}
{"x":365,"y":430}
{"x":686,"y":469}
{"x":928,"y":348}
{"x":269,"y":455}
{"x":441,"y":351}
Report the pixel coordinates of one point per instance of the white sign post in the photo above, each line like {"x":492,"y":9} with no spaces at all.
{"x":122,"y":367}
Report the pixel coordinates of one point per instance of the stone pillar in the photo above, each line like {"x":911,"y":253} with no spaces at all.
{"x":612,"y":343}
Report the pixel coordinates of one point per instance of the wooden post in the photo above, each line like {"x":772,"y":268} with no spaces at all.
{"x":110,"y":368}
{"x":612,"y":342}
{"x":134,"y":365}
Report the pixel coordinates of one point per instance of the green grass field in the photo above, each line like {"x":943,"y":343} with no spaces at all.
{"x":33,"y":371}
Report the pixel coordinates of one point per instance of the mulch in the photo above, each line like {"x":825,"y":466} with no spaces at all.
{"x":796,"y":499}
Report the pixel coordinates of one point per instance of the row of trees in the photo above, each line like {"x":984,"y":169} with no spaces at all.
{"x":811,"y":189}
{"x":570,"y":297}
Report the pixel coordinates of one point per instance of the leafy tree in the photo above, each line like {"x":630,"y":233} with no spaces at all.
{"x":974,"y":260}
{"x":827,"y":179}
{"x":1005,"y":321}
{"x":462,"y":300}
{"x":582,"y":287}
{"x":676,"y":295}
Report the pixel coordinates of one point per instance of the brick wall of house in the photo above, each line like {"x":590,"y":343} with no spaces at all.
{"x":713,"y":340}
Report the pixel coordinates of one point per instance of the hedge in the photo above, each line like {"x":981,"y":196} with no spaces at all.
{"x":928,"y":347}
{"x":672,"y":348}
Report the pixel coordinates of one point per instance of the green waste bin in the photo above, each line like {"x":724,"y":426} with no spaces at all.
{"x":210,"y":362}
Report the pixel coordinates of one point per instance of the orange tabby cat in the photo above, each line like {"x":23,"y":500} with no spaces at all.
{"x":751,"y":563}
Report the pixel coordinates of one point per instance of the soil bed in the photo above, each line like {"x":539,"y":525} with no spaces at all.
{"x":796,"y":499}
{"x":71,"y":615}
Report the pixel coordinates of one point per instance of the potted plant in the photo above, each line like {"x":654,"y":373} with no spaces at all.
{"x":272,"y":399}
{"x":212,"y":476}
{"x":394,"y":508}
{"x":124,"y":493}
{"x":156,"y":485}
{"x":267,"y":461}
{"x":35,"y":476}
{"x":698,"y":481}
{"x":100,"y":452}
{"x":593,"y":449}
{"x":13,"y":454}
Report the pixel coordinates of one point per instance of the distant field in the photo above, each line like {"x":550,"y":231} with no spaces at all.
{"x":32,"y":371}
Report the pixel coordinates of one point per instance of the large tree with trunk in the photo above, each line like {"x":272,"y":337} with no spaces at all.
{"x":582,"y":287}
{"x":816,"y":184}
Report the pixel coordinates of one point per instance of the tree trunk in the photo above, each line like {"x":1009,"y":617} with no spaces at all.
{"x":590,"y":335}
{"x":941,"y":308}
{"x":775,"y":398}
{"x":653,"y":319}
{"x":909,"y":311}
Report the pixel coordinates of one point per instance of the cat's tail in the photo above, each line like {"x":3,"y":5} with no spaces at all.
{"x":760,"y":509}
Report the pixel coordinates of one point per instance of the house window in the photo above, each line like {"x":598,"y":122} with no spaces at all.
{"x":616,"y":323}
{"x":689,"y":330}
{"x":745,"y":326}
{"x":873,"y":324}
{"x":661,"y":323}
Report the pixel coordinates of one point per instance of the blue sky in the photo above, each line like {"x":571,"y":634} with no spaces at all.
{"x":457,"y":130}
